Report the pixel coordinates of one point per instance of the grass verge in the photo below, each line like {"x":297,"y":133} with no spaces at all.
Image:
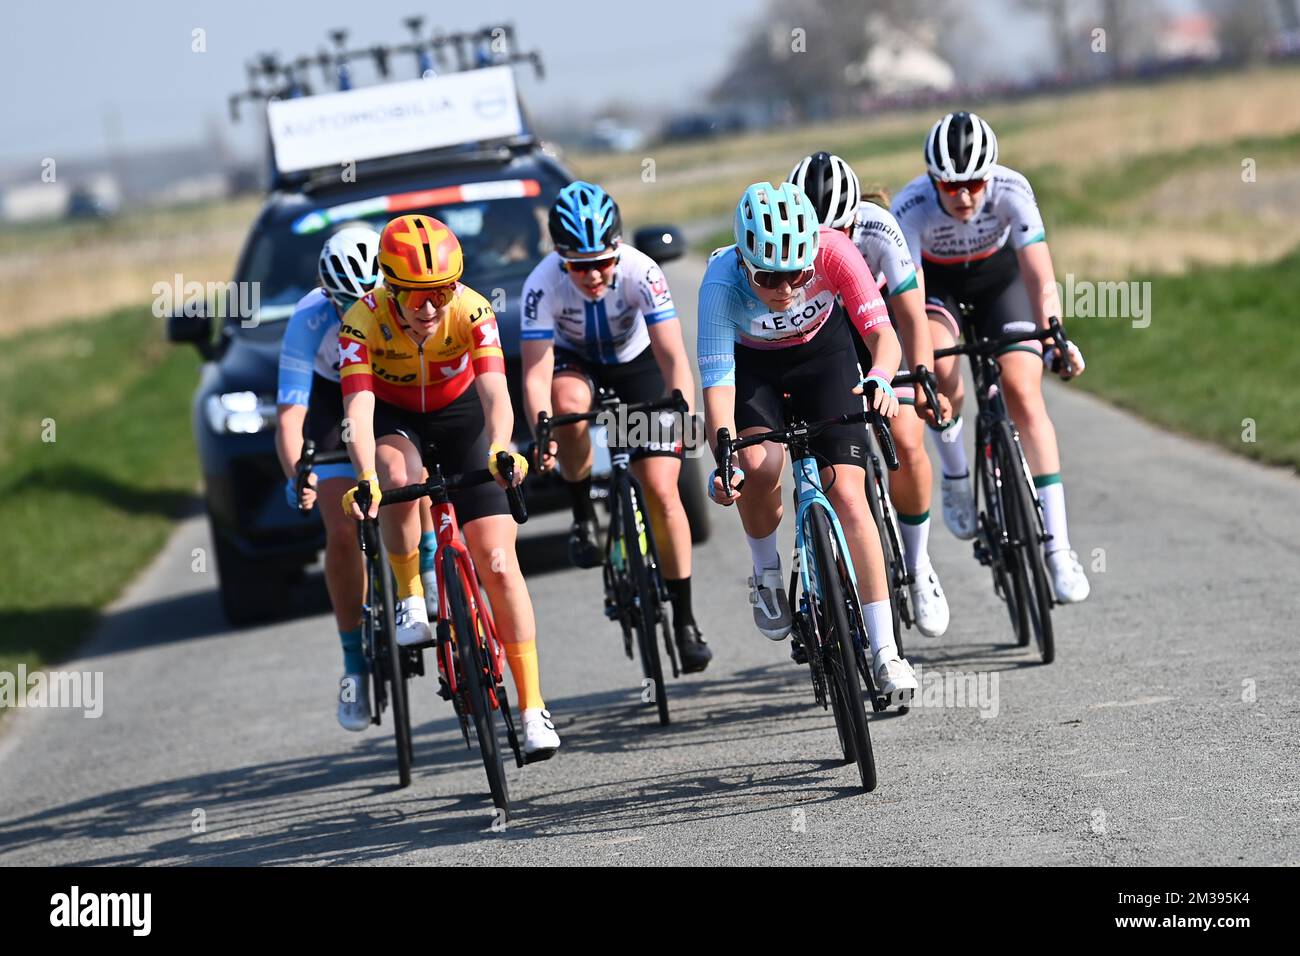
{"x":1222,"y":351}
{"x":84,"y":512}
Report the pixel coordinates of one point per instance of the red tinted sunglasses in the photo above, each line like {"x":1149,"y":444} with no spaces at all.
{"x":590,"y":265}
{"x":973,"y":186}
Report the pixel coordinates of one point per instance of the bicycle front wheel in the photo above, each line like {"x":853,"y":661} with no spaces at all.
{"x":895,"y":571}
{"x":475,"y":678}
{"x":388,"y":658}
{"x":1024,"y":527}
{"x":839,"y":654}
{"x":636,"y":529}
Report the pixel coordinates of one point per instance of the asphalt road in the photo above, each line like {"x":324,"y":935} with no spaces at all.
{"x":1163,"y":734}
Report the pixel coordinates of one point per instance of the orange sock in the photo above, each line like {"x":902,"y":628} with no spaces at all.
{"x":523,"y":668}
{"x":406,"y":568}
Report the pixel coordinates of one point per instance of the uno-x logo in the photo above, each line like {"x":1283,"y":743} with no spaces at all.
{"x":349,"y":353}
{"x":488,"y":334}
{"x":451,"y":371}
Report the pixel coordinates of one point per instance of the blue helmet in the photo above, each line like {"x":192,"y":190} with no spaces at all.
{"x":777,"y":227}
{"x":584,"y":219}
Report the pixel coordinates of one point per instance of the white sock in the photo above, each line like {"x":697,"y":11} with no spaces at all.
{"x":1053,"y":498}
{"x":952,"y":452}
{"x":880,"y":626}
{"x":916,"y":543}
{"x":764,"y":553}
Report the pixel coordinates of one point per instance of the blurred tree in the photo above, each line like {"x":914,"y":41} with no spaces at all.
{"x":1066,"y":42}
{"x":1245,"y":26}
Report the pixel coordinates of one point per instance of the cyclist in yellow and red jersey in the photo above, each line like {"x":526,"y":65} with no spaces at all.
{"x":420,"y":360}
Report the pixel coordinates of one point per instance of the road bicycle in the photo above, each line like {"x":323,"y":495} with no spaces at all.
{"x":825,"y":607}
{"x":635,"y":594}
{"x":1010,"y":532}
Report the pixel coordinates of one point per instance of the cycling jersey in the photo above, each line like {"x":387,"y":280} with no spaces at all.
{"x":879,"y":238}
{"x":612,"y":329}
{"x":1008,"y":214}
{"x":730,"y":313}
{"x":377,"y":354}
{"x":311,"y":343}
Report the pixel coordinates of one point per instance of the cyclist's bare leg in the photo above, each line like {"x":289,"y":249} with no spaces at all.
{"x":1022,"y":385}
{"x":658,"y":476}
{"x":909,"y":487}
{"x":847,"y":494}
{"x":491,"y":541}
{"x":571,"y":394}
{"x":344,"y":571}
{"x":760,"y":500}
{"x":947,"y":370}
{"x":398,"y":464}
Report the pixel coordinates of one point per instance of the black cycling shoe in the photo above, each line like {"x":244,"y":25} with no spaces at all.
{"x":583,"y":552}
{"x":692,"y":652}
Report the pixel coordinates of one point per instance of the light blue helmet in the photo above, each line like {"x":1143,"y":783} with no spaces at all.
{"x":584,"y":219}
{"x":777,"y":227}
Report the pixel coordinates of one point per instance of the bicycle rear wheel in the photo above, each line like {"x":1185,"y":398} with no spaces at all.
{"x":1009,"y":580}
{"x":476,"y":675}
{"x":1025,"y":529}
{"x":642,"y":575}
{"x":388,"y":657}
{"x":838,"y":649}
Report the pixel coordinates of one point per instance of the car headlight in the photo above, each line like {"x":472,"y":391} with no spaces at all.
{"x":240,"y":413}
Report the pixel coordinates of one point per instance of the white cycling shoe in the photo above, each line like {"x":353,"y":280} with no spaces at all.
{"x":354,"y":702}
{"x":895,"y":678}
{"x":412,"y":621}
{"x":1069,"y":583}
{"x":540,"y":739}
{"x":959,"y":506}
{"x":929,"y":605}
{"x":771,"y":606}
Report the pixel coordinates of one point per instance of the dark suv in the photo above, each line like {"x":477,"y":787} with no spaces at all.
{"x":261,"y":543}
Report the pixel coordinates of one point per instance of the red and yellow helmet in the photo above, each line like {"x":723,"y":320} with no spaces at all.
{"x":419,"y":252}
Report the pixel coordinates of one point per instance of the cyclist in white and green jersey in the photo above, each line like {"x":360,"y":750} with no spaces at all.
{"x":976,"y":230}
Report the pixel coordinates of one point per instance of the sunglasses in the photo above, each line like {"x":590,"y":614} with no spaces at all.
{"x":590,"y":265}
{"x":772,"y":279}
{"x":412,"y":299}
{"x":973,"y":186}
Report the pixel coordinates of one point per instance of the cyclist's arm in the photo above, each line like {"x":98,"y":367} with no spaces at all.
{"x":539,"y":371}
{"x":719,"y":412}
{"x":302,"y":339}
{"x":1040,"y":281}
{"x":490,"y":376}
{"x":537,"y":345}
{"x":670,"y":352}
{"x":715,"y":348}
{"x":359,"y":423}
{"x":856,"y":286}
{"x":913,"y":326}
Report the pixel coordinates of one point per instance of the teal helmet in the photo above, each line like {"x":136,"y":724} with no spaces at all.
{"x":776,"y":227}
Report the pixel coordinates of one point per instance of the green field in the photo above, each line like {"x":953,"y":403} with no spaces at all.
{"x":83,"y":513}
{"x":1222,"y":351}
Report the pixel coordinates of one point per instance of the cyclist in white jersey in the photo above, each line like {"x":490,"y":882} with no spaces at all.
{"x":836,"y":194}
{"x":976,"y":229}
{"x":310,"y":405}
{"x":598,"y":313}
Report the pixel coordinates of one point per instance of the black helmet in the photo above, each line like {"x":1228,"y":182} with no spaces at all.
{"x":961,"y":146}
{"x":832,"y":185}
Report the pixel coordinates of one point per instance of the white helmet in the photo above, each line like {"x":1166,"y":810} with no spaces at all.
{"x":960,"y":147}
{"x":349,"y":262}
{"x":832,"y":185}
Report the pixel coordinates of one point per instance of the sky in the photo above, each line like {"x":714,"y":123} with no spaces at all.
{"x":80,"y":76}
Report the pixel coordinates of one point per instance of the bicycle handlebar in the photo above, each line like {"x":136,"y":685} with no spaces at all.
{"x":923,"y":377}
{"x":548,"y":423}
{"x":982,"y":347}
{"x":727,"y":446}
{"x":439,"y":486}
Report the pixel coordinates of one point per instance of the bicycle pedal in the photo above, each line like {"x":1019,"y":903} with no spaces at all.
{"x":444,"y":689}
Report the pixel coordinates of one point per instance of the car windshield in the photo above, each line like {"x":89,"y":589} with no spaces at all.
{"x":503,"y":239}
